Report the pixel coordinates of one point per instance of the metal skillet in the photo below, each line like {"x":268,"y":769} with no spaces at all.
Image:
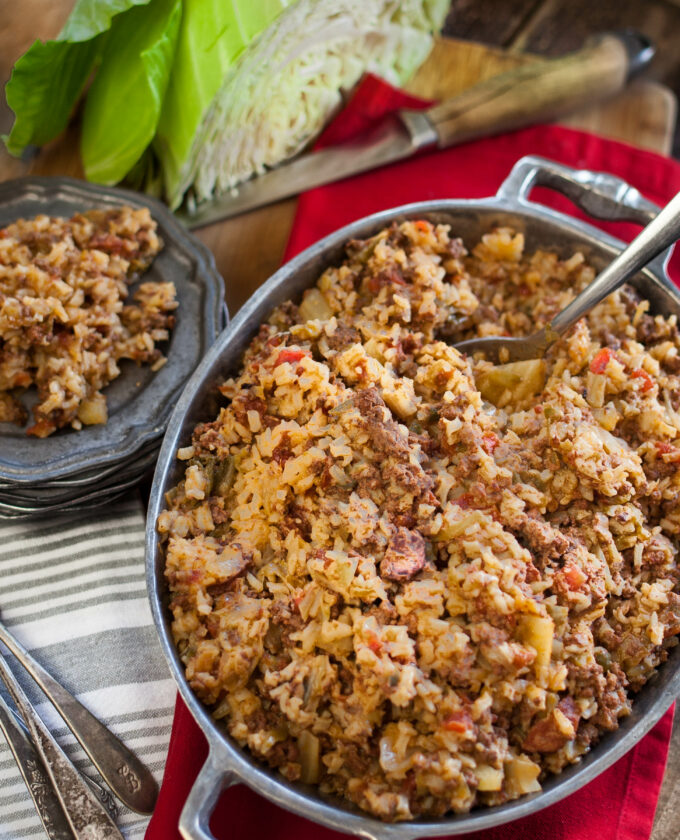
{"x":599,"y":195}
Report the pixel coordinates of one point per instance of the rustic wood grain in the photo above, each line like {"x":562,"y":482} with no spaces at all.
{"x":644,"y":114}
{"x":21,"y":23}
{"x":563,"y":25}
{"x":250,"y":248}
{"x":475,"y":21}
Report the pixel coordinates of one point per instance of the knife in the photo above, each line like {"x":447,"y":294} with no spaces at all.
{"x":533,"y":93}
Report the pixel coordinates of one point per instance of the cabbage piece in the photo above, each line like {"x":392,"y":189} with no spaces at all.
{"x":48,"y":79}
{"x":124,"y":101}
{"x":213,"y":34}
{"x":239,"y":101}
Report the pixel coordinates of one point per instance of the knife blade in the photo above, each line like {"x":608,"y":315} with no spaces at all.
{"x":539,"y":91}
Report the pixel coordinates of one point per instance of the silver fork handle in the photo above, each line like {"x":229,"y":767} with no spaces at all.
{"x":659,"y":235}
{"x":88,"y":818}
{"x":120,"y":768}
{"x":35,"y":776}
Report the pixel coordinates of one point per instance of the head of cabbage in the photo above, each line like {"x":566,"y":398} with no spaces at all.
{"x":188,"y":98}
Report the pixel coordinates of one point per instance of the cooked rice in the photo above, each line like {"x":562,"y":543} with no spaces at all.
{"x":416,"y":580}
{"x":63,"y":322}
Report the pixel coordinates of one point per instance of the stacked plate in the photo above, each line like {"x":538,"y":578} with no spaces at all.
{"x":72,"y":470}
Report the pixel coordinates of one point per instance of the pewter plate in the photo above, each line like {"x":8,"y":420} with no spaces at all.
{"x":139,"y":401}
{"x":51,"y":495}
{"x":84,"y":480}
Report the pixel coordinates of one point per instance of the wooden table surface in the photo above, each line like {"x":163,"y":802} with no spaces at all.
{"x":497,"y":35}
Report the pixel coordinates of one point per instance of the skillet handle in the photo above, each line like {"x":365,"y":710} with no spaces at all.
{"x":601,"y":195}
{"x":213,"y":779}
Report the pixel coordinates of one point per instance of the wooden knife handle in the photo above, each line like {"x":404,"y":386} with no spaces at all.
{"x":534,"y":93}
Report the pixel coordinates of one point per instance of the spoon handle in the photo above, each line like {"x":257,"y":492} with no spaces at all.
{"x":659,"y":234}
{"x":88,"y":818}
{"x":125,"y":774}
{"x":34,"y":774}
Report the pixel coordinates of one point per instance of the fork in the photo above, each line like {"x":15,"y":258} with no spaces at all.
{"x":86,"y":816}
{"x":659,"y":234}
{"x":35,"y":776}
{"x":103,"y":794}
{"x":129,"y":779}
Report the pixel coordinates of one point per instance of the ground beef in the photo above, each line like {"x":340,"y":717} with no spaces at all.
{"x":383,"y":432}
{"x":544,"y":541}
{"x":343,"y":336}
{"x":405,"y":556}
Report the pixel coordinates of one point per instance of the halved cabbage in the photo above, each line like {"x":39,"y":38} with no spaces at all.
{"x":256,"y":107}
{"x":194,"y":96}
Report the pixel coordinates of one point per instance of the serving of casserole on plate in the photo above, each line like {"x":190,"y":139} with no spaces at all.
{"x":107,"y":306}
{"x":63,"y":323}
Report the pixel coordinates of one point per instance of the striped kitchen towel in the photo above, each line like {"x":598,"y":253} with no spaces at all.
{"x":72,"y":590}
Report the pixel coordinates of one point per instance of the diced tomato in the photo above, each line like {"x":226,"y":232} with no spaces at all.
{"x":290,"y":354}
{"x":389,"y":277}
{"x":490,"y":442}
{"x":374,"y":643}
{"x":573,"y":576}
{"x":647,"y":381}
{"x":601,"y":359}
{"x":664,"y":448}
{"x":464,"y":501}
{"x":457,"y":722}
{"x":421,"y":224}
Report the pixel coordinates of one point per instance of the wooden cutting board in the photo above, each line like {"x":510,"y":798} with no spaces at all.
{"x":643,"y":115}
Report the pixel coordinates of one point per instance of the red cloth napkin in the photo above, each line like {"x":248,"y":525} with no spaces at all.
{"x":620,"y":803}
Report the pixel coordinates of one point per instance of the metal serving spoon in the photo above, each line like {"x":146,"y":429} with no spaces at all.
{"x":659,"y":234}
{"x":129,"y":779}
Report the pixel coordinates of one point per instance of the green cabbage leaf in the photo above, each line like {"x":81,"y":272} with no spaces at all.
{"x":49,"y":78}
{"x":124,"y":102}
